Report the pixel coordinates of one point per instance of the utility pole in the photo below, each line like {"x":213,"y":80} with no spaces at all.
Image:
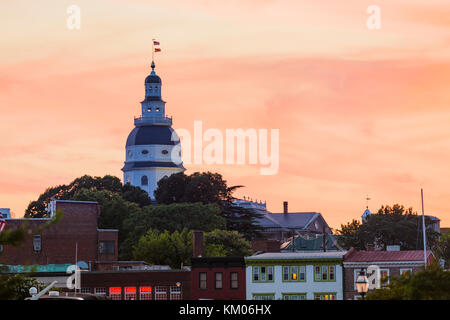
{"x":424,"y":232}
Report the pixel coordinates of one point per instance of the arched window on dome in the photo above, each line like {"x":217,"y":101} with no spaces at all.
{"x":144,"y":181}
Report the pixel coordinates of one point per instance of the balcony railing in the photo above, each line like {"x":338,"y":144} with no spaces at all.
{"x":140,"y":121}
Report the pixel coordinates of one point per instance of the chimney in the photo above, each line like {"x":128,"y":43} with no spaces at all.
{"x":285,"y":207}
{"x":197,"y":243}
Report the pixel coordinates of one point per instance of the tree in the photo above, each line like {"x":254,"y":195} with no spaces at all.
{"x":390,"y":226}
{"x":232,"y":242}
{"x":430,"y":284}
{"x":174,"y":249}
{"x":170,"y":218}
{"x":207,"y":187}
{"x":165,"y":248}
{"x":442,"y":249}
{"x":16,"y":287}
{"x":36,"y":209}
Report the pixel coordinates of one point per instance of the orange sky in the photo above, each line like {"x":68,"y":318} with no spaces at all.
{"x":359,"y":111}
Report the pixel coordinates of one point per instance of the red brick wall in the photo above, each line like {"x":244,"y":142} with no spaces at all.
{"x":226,"y":293}
{"x":78,"y":225}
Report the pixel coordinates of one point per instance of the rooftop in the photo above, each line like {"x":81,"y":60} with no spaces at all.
{"x":297,"y":255}
{"x":379,"y":256}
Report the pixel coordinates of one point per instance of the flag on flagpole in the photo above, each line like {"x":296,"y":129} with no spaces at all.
{"x":157,"y":50}
{"x":156,"y":43}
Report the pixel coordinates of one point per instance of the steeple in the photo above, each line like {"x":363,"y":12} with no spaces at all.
{"x":153,"y":107}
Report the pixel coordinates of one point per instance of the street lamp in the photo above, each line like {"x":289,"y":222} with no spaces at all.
{"x":362,"y":283}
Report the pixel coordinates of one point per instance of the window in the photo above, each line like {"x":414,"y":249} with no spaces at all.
{"x":145,"y":151}
{"x":218,"y":276}
{"x":85,"y":290}
{"x":405,"y":271}
{"x":144,"y":181}
{"x":384,"y":275}
{"x":106,"y":247}
{"x":115,"y":293}
{"x":264,"y":296}
{"x":263,"y":274}
{"x":234,"y":284}
{"x":130,"y":293}
{"x":294,"y":296}
{"x":145,"y":293}
{"x":99,"y":290}
{"x":324,"y":273}
{"x":160,"y":293}
{"x":255,"y":273}
{"x":294,"y":273}
{"x":157,"y":109}
{"x":164,"y":152}
{"x":37,"y":243}
{"x":202,"y":280}
{"x":149,"y":109}
{"x":175,"y":293}
{"x":325,"y":296}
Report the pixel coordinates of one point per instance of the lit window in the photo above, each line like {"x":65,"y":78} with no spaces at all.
{"x":149,"y":109}
{"x":294,"y":273}
{"x":145,"y":293}
{"x":115,"y":293}
{"x":325,"y":296}
{"x":219,"y":276}
{"x":130,"y":293}
{"x":157,"y":110}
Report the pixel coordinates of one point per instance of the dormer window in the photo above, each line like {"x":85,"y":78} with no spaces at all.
{"x":157,"y":109}
{"x":149,"y":109}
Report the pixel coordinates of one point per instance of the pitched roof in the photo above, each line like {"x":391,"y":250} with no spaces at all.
{"x":291,"y":220}
{"x":378,"y":256}
{"x":297,"y":255}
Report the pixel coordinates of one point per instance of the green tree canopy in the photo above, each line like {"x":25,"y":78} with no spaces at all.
{"x":430,"y":284}
{"x":207,"y":187}
{"x":170,"y":218}
{"x":36,"y":209}
{"x":389,"y":226}
{"x":174,"y":249}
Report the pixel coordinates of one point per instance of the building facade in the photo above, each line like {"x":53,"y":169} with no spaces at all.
{"x":295,"y":276}
{"x":76,"y":237}
{"x":138,"y":284}
{"x":390,"y":264}
{"x":218,"y":278}
{"x":153,"y":149}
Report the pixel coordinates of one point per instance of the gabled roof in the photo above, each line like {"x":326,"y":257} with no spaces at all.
{"x":380,"y":256}
{"x":297,"y":255}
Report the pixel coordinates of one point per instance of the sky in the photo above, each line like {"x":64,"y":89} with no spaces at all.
{"x":360,"y":111}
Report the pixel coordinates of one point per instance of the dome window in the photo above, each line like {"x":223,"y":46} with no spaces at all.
{"x":145,"y":151}
{"x":144,"y":181}
{"x":130,"y":153}
{"x":165,"y":152}
{"x":157,"y":109}
{"x":149,"y":109}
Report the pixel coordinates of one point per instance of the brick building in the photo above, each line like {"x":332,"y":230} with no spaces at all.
{"x":138,"y":284}
{"x":218,"y":278}
{"x":57,"y":243}
{"x":390,"y":263}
